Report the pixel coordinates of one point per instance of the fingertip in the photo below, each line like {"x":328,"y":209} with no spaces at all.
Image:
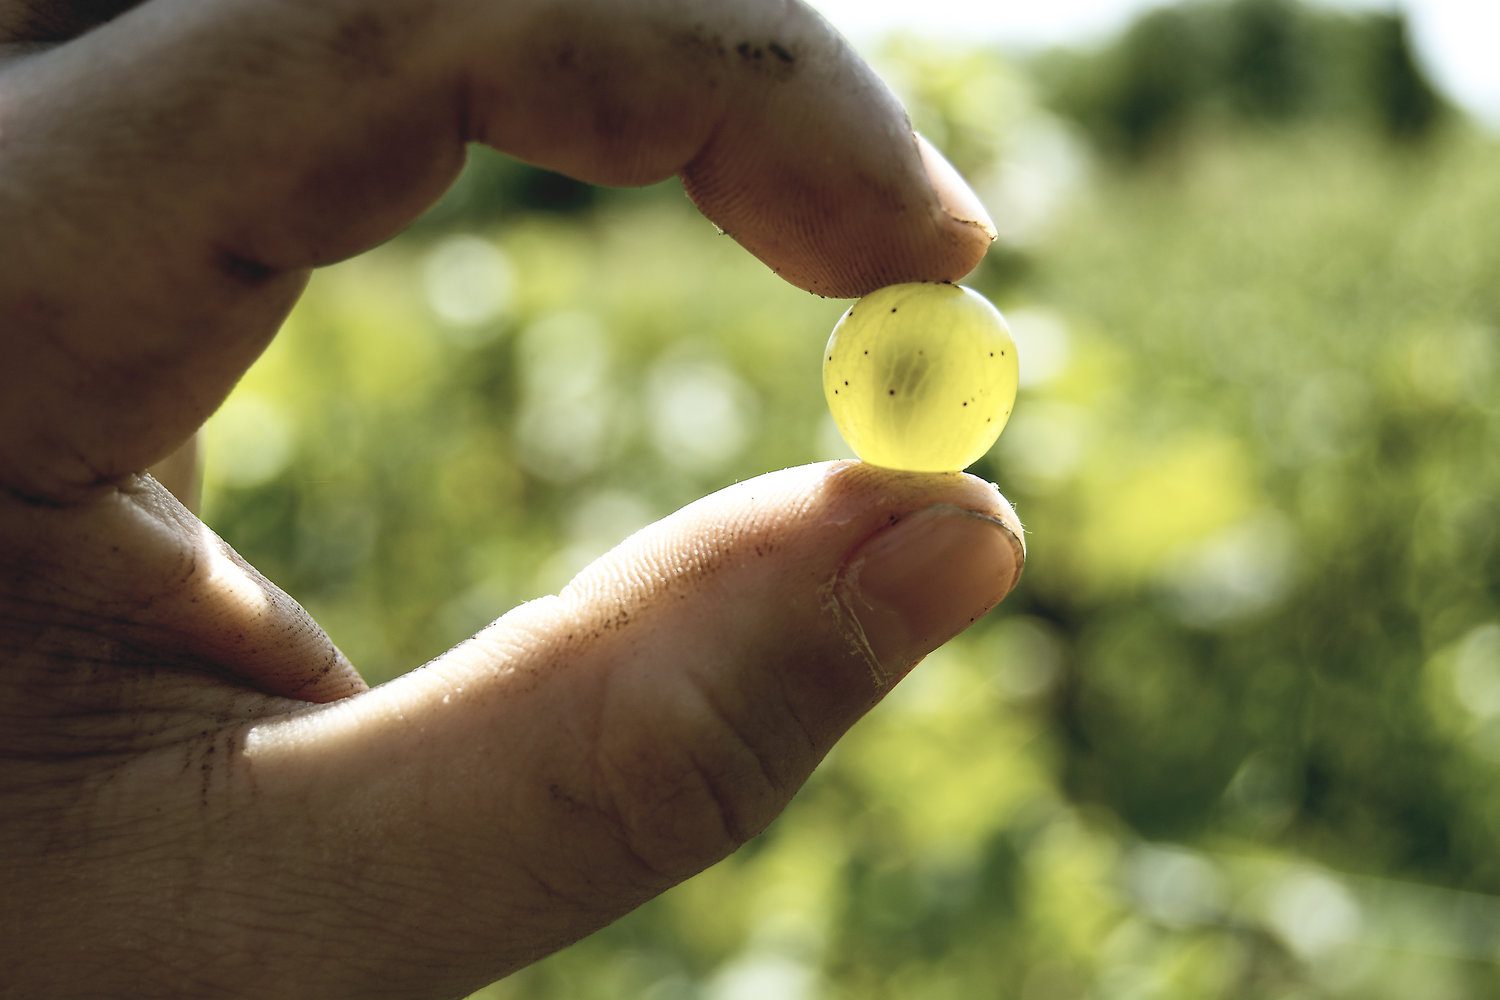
{"x":920,"y":582}
{"x":841,"y":229}
{"x":953,"y":193}
{"x":815,"y":169}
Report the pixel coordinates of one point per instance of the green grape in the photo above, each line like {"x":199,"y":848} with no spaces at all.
{"x":921,"y":376}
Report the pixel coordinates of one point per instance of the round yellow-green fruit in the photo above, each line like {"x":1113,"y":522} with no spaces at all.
{"x":921,"y":376}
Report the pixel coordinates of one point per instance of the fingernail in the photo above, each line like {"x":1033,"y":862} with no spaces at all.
{"x":924,"y":580}
{"x":953,"y":192}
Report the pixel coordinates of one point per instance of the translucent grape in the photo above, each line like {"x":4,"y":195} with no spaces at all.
{"x":921,"y":376}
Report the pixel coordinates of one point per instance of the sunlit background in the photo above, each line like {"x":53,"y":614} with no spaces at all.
{"x":1238,"y":732}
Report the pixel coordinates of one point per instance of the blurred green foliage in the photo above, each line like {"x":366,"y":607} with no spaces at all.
{"x":1238,"y":732}
{"x":1245,"y":63}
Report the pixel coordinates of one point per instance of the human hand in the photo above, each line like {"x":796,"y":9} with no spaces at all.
{"x":197,"y":793}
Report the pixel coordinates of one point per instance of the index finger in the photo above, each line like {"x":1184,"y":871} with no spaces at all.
{"x":171,"y":176}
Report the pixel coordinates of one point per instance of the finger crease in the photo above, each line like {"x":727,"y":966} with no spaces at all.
{"x":242,"y":269}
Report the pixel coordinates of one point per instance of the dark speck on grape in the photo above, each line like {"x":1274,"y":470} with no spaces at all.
{"x":893,"y":308}
{"x":890,"y":392}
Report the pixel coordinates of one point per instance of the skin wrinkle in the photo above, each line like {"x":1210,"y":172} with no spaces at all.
{"x":581,"y":900}
{"x":605,"y":783}
{"x":697,"y":568}
{"x":647,"y":807}
{"x":242,"y":269}
{"x":254,"y":911}
{"x":735,"y":831}
{"x":159,"y":708}
{"x":702,"y":564}
{"x":740,"y":827}
{"x":608,"y":798}
{"x":43,"y":316}
{"x":100,"y":815}
{"x":75,"y":633}
{"x":811,"y":746}
{"x":636,"y":793}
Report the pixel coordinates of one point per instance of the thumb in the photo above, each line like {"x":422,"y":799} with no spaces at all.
{"x":590,"y":749}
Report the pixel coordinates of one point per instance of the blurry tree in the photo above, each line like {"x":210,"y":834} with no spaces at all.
{"x":1268,"y":59}
{"x":1263,"y":62}
{"x":1409,"y":106}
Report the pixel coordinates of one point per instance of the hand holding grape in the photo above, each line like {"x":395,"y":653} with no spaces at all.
{"x":197,"y":793}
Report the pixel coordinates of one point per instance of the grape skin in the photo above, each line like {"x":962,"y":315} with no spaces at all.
{"x":921,"y":376}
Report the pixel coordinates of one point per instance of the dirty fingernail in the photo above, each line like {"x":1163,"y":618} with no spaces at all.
{"x":925,"y":579}
{"x":953,"y":192}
